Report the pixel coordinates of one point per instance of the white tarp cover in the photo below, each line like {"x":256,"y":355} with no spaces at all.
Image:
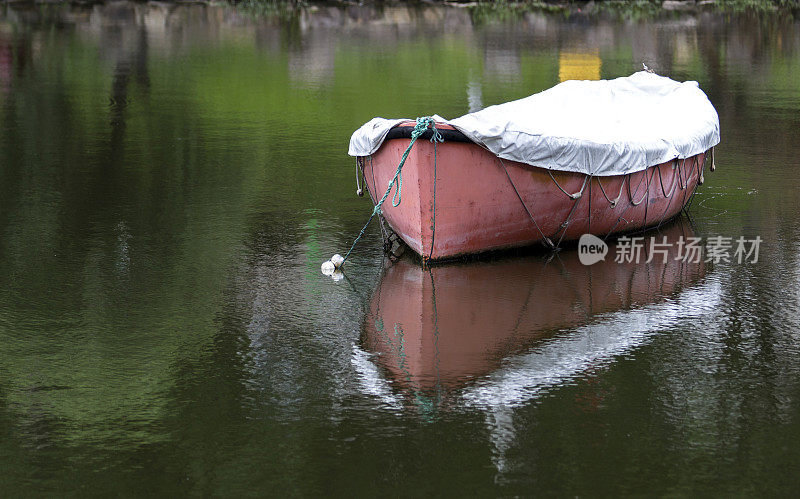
{"x":606,"y":127}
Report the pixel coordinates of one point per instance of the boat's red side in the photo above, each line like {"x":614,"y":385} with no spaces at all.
{"x":477,"y":207}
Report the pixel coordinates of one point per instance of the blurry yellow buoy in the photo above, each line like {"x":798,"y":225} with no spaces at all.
{"x":579,"y":66}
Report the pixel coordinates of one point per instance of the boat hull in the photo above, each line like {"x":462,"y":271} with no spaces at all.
{"x":459,"y":199}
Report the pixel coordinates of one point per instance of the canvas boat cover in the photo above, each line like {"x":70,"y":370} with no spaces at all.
{"x":606,"y":127}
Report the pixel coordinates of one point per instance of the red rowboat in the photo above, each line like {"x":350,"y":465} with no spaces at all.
{"x":477,"y":202}
{"x":599,"y":157}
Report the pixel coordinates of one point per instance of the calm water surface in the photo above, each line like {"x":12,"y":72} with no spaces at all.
{"x":171,"y":178}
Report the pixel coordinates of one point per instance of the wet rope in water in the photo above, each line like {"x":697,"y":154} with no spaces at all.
{"x":422,"y":125}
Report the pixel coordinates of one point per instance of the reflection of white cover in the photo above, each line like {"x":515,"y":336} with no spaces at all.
{"x":606,"y":127}
{"x":556,"y":362}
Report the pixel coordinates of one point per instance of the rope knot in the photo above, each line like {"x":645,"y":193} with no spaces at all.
{"x":422,"y":124}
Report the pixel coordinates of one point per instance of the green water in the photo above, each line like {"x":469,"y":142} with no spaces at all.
{"x":172,"y":177}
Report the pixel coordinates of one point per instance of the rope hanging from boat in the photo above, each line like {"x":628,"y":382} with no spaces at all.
{"x":421,"y":126}
{"x":359,"y":190}
{"x":575,"y":195}
{"x":436,"y":137}
{"x":546,"y":239}
{"x":648,"y":178}
{"x":612,"y":202}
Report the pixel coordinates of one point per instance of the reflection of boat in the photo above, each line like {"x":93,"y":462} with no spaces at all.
{"x":585,"y":156}
{"x":439,"y":328}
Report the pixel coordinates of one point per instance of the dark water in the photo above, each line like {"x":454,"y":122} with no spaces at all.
{"x":171,"y":178}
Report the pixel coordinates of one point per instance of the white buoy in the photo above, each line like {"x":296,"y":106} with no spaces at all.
{"x":333,"y":267}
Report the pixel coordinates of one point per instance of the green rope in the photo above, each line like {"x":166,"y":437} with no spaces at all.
{"x":422,"y":125}
{"x":436,"y":137}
